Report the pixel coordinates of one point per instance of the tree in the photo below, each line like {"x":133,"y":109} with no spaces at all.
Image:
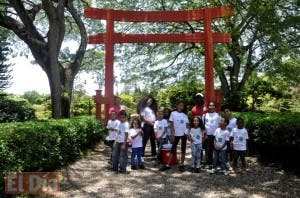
{"x":44,"y":26}
{"x":4,"y":66}
{"x":263,"y":34}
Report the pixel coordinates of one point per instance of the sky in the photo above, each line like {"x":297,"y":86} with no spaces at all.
{"x":29,"y":77}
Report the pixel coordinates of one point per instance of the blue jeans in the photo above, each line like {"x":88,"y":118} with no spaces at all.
{"x":119,"y":157}
{"x":136,"y":152}
{"x":196,"y":155}
{"x":222,"y":155}
{"x":160,"y":144}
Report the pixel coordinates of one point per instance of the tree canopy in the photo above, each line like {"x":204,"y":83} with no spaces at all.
{"x":5,"y":70}
{"x":44,"y":26}
{"x":264,"y":35}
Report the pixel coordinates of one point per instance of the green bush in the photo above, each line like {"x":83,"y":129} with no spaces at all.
{"x":276,"y":129}
{"x":15,"y":110}
{"x":274,"y":137}
{"x":46,"y":145}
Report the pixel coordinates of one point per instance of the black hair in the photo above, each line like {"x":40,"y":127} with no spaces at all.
{"x":225,"y":107}
{"x":240,"y":119}
{"x":199,"y":100}
{"x":226,"y":120}
{"x":181,"y":101}
{"x":167,"y":116}
{"x":201,"y":124}
{"x":116,"y":97}
{"x":139,"y":122}
{"x":143,"y":103}
{"x":122,"y":113}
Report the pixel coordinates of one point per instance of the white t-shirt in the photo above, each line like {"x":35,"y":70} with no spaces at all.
{"x":112,"y":135}
{"x":138,"y":140}
{"x":148,"y":114}
{"x":196,"y":135}
{"x":179,"y":120}
{"x":231,"y":125}
{"x":240,"y":137}
{"x":159,"y":127}
{"x":212,"y":121}
{"x":123,"y":128}
{"x":221,"y":137}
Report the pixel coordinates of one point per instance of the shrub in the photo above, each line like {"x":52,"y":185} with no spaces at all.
{"x":46,"y":145}
{"x":15,"y":110}
{"x":277,"y":129}
{"x":275,"y":137}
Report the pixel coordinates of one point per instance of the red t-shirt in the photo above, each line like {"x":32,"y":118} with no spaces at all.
{"x":197,"y":110}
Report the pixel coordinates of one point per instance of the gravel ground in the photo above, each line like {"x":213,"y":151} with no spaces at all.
{"x":91,"y":177}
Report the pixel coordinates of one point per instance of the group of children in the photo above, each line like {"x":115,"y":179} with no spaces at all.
{"x":224,"y":139}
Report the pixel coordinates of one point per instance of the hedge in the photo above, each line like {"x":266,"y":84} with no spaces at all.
{"x":277,"y":129}
{"x":46,"y":145}
{"x":275,"y":137}
{"x":15,"y":110}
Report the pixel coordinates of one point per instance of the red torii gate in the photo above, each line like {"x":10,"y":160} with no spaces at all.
{"x":110,"y":38}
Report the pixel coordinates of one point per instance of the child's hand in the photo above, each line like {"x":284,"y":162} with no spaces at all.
{"x":172,"y":138}
{"x":123,"y":147}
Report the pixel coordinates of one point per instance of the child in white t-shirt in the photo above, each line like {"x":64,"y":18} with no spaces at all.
{"x":179,"y":124}
{"x":120,"y":147}
{"x":160,"y":131}
{"x":113,"y":127}
{"x":196,"y":136}
{"x":238,"y":139}
{"x":230,"y":127}
{"x":221,"y":138}
{"x":167,"y":113}
{"x":136,"y":135}
{"x":211,"y":120}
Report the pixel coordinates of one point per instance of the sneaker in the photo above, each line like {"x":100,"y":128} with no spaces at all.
{"x":123,"y":172}
{"x":141,"y":166}
{"x":213,"y":171}
{"x":157,"y":162}
{"x":181,"y":168}
{"x":228,"y":166}
{"x":225,"y":172}
{"x":197,"y":170}
{"x":165,"y":167}
{"x":133,"y":167}
{"x":192,"y":169}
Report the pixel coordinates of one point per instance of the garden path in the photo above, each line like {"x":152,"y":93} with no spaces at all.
{"x":91,"y":177}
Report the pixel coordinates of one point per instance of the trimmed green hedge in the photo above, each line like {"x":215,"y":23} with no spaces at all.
{"x":15,"y":110}
{"x":274,"y":137}
{"x":46,"y":145}
{"x":276,"y":129}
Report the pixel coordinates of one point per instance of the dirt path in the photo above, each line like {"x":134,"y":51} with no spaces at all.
{"x":90,"y":177}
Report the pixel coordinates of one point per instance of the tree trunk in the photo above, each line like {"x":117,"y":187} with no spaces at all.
{"x":46,"y":49}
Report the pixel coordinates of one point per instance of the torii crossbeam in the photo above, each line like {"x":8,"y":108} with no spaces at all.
{"x":110,"y":38}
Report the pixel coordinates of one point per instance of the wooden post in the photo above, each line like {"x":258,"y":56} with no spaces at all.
{"x":209,"y":58}
{"x":109,"y":64}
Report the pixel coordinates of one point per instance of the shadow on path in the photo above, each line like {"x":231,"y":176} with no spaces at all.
{"x":91,"y":177}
